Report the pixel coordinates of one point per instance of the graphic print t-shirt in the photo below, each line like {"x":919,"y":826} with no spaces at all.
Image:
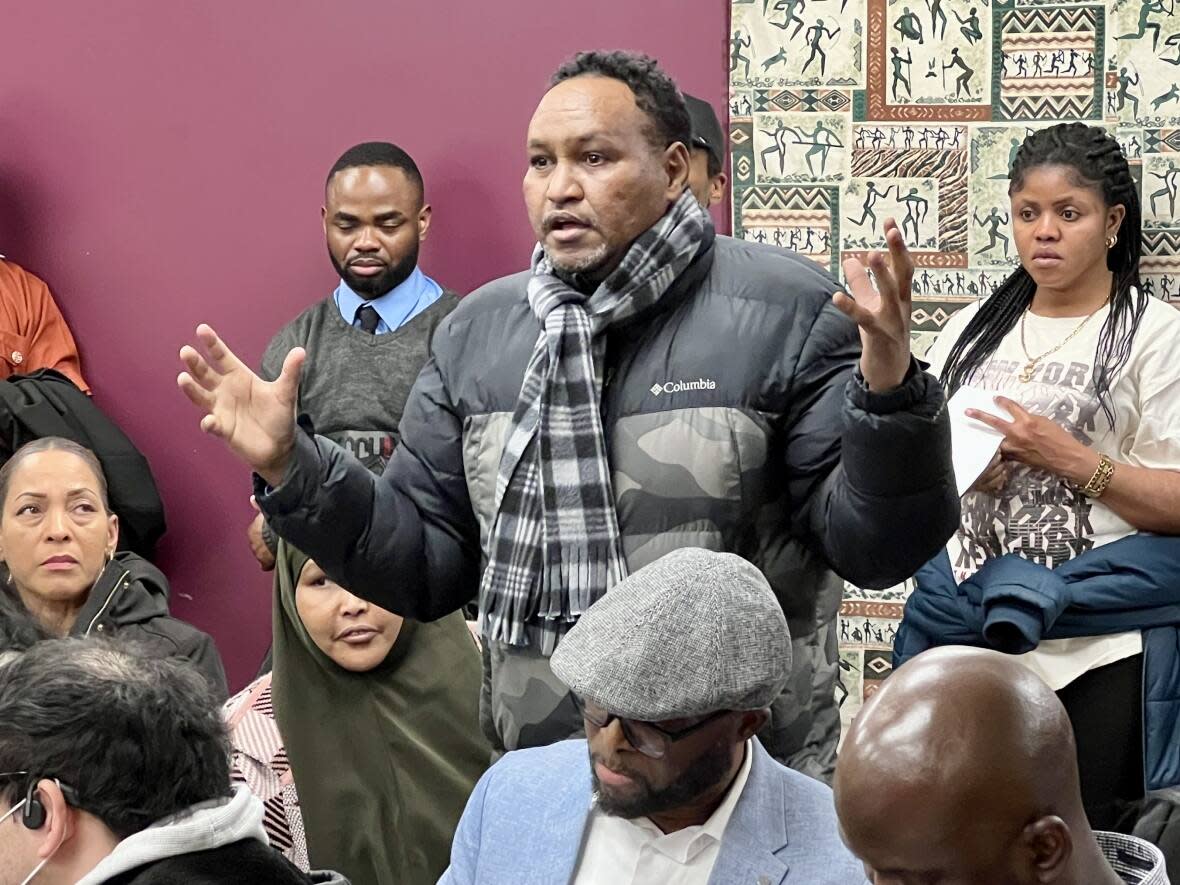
{"x":1040,"y":516}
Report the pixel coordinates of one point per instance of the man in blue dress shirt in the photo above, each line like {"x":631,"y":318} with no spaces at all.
{"x":367,"y":341}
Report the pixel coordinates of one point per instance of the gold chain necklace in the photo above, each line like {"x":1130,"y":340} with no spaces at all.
{"x":1026,"y":373}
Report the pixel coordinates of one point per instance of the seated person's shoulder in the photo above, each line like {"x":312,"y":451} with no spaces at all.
{"x":811,"y":808}
{"x":743,"y":269}
{"x":12,"y":273}
{"x":555,"y":762}
{"x":245,"y":700}
{"x":806,"y":797}
{"x":23,"y":286}
{"x":809,"y":792}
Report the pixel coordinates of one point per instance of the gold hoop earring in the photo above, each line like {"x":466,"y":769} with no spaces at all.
{"x":1111,"y":240}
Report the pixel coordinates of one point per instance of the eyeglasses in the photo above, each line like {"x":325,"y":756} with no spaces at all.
{"x":652,"y":739}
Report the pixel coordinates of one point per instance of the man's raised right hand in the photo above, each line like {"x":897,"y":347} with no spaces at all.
{"x":256,"y":418}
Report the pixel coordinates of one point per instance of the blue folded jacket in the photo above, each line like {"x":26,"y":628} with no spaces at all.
{"x":1011,"y":604}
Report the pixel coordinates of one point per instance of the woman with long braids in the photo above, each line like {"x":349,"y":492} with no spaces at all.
{"x":1085,"y":372}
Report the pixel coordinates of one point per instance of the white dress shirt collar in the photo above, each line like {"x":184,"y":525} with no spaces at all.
{"x":623,"y":851}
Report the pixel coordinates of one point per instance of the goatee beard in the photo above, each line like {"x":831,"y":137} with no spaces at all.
{"x":386,"y":281}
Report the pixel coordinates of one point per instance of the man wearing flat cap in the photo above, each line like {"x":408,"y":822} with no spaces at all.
{"x":706,"y":170}
{"x":673,"y":670}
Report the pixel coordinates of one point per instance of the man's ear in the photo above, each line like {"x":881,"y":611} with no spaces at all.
{"x":717,"y":188}
{"x":424,"y":216}
{"x":1048,"y":844}
{"x":59,"y":819}
{"x":676,"y":167}
{"x":751,"y":723}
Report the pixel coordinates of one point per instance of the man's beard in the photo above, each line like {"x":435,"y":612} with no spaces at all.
{"x":710,"y":768}
{"x":374,"y":287}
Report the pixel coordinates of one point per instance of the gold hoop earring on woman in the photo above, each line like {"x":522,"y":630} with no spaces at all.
{"x":1111,"y":240}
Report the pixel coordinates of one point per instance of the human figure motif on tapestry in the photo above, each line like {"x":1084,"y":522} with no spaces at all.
{"x":908,"y":26}
{"x":970,"y":25}
{"x":1146,"y":9}
{"x":815,"y":36}
{"x":791,"y":8}
{"x":992,"y":222}
{"x":963,"y":79}
{"x":1124,"y":91}
{"x":737,"y":44}
{"x":916,"y":207}
{"x":871,"y":197}
{"x":936,"y":15}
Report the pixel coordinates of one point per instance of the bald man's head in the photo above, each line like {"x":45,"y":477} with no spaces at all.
{"x":962,"y":769}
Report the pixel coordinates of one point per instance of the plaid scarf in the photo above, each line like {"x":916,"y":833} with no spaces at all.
{"x":554,"y":547}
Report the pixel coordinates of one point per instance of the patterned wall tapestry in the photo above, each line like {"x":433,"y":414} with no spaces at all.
{"x":844,"y":112}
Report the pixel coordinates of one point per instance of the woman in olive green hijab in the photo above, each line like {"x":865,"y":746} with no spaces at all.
{"x":379,"y":719}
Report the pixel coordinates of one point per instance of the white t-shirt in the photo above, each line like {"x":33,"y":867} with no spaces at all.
{"x":1043,"y":517}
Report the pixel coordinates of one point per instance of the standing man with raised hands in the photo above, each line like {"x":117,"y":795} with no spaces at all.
{"x":646,"y":386}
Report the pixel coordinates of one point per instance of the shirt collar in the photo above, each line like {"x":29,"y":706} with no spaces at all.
{"x":1137,"y":862}
{"x":395,"y":306}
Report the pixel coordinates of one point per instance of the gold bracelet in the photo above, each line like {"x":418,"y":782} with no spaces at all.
{"x":1101,"y":478}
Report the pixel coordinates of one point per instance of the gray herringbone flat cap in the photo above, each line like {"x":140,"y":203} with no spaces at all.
{"x":692,"y":633}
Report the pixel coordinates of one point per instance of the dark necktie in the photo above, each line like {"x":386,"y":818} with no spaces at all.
{"x":368,"y":316}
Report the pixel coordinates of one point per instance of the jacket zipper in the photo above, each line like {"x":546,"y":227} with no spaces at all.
{"x":118,"y":586}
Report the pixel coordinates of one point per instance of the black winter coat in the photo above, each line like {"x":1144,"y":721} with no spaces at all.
{"x":130,"y":600}
{"x":734,"y":420}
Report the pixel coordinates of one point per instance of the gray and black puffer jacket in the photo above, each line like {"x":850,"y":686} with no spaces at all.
{"x":735,"y":420}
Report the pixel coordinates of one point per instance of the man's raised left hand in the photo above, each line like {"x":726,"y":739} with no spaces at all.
{"x":882,"y":313}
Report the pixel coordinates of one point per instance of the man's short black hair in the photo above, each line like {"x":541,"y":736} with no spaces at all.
{"x":655,"y":92}
{"x":137,"y":736}
{"x":377,"y":153}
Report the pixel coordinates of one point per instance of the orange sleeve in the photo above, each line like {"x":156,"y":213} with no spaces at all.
{"x":47,"y":339}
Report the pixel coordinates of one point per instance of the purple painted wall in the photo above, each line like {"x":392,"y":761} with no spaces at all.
{"x":161,"y":164}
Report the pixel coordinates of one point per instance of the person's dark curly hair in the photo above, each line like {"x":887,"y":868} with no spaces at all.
{"x":138,"y":737}
{"x":655,"y":92}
